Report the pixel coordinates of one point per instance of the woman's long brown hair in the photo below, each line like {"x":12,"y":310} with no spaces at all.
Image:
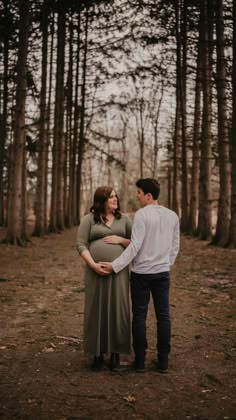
{"x":100,"y":198}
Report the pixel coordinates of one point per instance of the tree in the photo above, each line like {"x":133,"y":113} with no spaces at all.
{"x":223,"y":218}
{"x":82,"y":115}
{"x":177,"y":130}
{"x":40,"y":224}
{"x":57,"y":202}
{"x":194,"y":193}
{"x":205,"y":195}
{"x":232,"y":230}
{"x":14,"y":222}
{"x":183,"y":99}
{"x":91,"y":126}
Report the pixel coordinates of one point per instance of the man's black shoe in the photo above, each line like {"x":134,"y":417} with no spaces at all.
{"x":162,"y":365}
{"x":139,"y":365}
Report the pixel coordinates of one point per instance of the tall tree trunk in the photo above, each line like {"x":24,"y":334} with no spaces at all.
{"x":142,"y":136}
{"x":194,"y":197}
{"x":53,"y":203}
{"x":82,"y":116}
{"x":61,"y":136}
{"x":9,"y":177}
{"x":156,"y":146}
{"x":57,"y":214}
{"x":124,"y":170}
{"x":24,"y":208}
{"x":68,"y":186}
{"x":205,"y":194}
{"x":223,"y":217}
{"x":14,"y":225}
{"x":170,"y":186}
{"x":176,"y":158}
{"x":39,"y":229}
{"x":177,"y":131}
{"x":48,"y":128}
{"x":75,"y":128}
{"x":183,"y":80}
{"x":3,"y":126}
{"x":232,"y":230}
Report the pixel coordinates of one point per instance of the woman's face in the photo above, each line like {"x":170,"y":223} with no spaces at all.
{"x":112,"y":202}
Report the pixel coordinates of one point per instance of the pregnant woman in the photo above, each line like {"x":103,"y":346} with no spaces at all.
{"x":103,"y":235}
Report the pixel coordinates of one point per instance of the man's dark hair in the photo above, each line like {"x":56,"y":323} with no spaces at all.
{"x":149,"y":185}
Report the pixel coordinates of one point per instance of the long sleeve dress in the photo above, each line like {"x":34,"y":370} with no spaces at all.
{"x":106,"y":310}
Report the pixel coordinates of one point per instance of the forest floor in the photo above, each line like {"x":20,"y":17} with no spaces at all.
{"x":45,"y":375}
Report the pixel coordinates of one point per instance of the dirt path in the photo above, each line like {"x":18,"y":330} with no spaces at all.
{"x":44,"y":374}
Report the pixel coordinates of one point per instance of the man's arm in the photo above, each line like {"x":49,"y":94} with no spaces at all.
{"x":137,"y":237}
{"x":175,"y":243}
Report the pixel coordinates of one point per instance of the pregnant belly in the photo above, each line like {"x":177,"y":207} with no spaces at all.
{"x":102,"y":251}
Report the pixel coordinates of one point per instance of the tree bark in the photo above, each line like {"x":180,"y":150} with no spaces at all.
{"x":82,"y":117}
{"x":232,"y":230}
{"x":183,"y":80}
{"x":14,"y":225}
{"x":223,"y":217}
{"x":194,"y":194}
{"x":39,"y":229}
{"x":3,"y":125}
{"x":156,"y":146}
{"x":205,"y":194}
{"x":60,"y":121}
{"x":68,"y":185}
{"x":57,"y":213}
{"x":48,"y":128}
{"x":177,"y":131}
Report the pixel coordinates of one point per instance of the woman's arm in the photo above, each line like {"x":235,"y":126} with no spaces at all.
{"x":83,"y":233}
{"x":82,"y":245}
{"x":90,"y":261}
{"x":115,"y":239}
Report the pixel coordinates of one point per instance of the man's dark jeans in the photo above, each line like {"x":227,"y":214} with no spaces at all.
{"x":141,"y":287}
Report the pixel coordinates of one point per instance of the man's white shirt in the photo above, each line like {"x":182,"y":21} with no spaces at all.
{"x":154,"y":242}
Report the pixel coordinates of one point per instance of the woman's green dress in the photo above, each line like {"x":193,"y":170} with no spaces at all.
{"x":106,"y":311}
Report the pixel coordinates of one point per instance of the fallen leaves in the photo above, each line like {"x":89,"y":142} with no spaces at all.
{"x":130,"y":398}
{"x":48,"y":350}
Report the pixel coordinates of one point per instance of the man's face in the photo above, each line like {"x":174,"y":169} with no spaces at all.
{"x":141,"y":197}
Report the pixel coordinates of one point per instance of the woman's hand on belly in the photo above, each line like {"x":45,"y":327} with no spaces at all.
{"x":116,"y":240}
{"x":112,"y":239}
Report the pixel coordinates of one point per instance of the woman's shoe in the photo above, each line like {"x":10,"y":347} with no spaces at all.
{"x":115,"y":361}
{"x":98,"y":363}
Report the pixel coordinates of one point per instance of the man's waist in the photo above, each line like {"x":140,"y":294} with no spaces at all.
{"x":148,"y":268}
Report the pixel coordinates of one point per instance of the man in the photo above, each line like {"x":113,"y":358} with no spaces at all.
{"x":153,"y":248}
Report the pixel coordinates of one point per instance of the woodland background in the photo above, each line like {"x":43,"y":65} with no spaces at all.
{"x":104,"y":92}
